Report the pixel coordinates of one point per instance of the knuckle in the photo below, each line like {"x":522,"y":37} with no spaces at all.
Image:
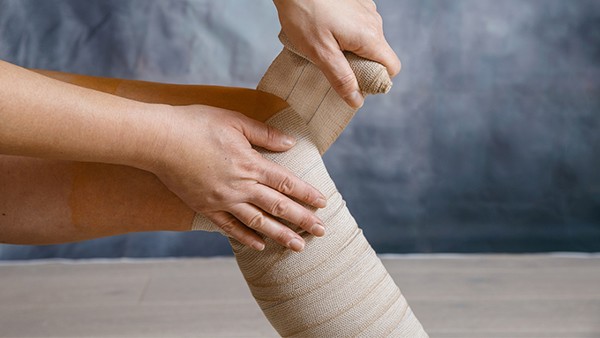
{"x":345,"y":83}
{"x":257,"y":222}
{"x":374,"y":38}
{"x":261,"y":173}
{"x":307,"y":221}
{"x":318,"y":53}
{"x":372,"y":32}
{"x":247,"y":165}
{"x":264,"y":175}
{"x":309,"y":196}
{"x":279,"y":208}
{"x":216,"y":196}
{"x":328,"y":57}
{"x":283,"y":236}
{"x":323,"y":54}
{"x":228,"y":225}
{"x":272,"y":134}
{"x":378,"y":18}
{"x":286,"y":185}
{"x":398,"y":68}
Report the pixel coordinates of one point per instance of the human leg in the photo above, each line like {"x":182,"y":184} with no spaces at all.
{"x":49,"y":201}
{"x":337,"y":286}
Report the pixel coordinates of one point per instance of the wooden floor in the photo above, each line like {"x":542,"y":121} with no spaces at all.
{"x":456,"y":296}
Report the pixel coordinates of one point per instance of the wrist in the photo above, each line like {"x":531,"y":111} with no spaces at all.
{"x":152,"y":134}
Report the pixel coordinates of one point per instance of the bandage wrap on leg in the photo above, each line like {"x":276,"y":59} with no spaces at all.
{"x":337,"y":286}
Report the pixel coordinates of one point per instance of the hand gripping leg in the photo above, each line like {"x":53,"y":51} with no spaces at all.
{"x":336,"y":287}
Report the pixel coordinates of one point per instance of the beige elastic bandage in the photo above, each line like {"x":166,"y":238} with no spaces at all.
{"x":337,"y":286}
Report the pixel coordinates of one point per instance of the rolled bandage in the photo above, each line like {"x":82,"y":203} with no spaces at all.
{"x":337,"y":286}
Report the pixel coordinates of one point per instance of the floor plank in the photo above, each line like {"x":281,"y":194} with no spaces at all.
{"x":496,"y":296}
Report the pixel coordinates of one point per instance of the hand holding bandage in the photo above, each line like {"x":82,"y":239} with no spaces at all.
{"x":229,"y":182}
{"x":337,"y":286}
{"x":322,"y":30}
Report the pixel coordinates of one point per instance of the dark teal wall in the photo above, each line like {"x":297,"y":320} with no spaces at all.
{"x":488,"y":142}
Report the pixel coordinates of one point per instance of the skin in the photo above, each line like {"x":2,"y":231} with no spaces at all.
{"x":225,"y":179}
{"x":53,"y":201}
{"x":81,"y":163}
{"x":322,"y":30}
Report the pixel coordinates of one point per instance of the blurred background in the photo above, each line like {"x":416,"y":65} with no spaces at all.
{"x":488,"y":142}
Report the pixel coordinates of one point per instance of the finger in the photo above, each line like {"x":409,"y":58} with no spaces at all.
{"x":255,"y":219}
{"x":336,"y":69}
{"x":235,"y":229}
{"x":380,"y":51}
{"x":282,"y":207}
{"x":265,"y":136}
{"x":284,"y":181}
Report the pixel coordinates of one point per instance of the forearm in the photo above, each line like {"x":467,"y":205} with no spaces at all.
{"x":50,"y":201}
{"x":46,"y":118}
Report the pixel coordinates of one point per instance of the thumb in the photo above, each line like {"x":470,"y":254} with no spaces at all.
{"x":337,"y":70}
{"x":265,"y":136}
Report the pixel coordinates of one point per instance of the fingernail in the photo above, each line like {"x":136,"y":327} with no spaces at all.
{"x":288,"y":141}
{"x":317,"y":230}
{"x":258,"y":246}
{"x":355,"y":99}
{"x":321,"y":202}
{"x":296,"y":245}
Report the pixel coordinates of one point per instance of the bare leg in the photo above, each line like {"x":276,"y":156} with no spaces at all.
{"x":49,"y":201}
{"x":338,"y":286}
{"x":46,"y":201}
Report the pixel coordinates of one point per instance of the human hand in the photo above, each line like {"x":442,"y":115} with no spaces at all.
{"x":322,"y":30}
{"x":208,"y":161}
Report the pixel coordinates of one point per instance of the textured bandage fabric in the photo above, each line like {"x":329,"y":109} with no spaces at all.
{"x":337,"y":286}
